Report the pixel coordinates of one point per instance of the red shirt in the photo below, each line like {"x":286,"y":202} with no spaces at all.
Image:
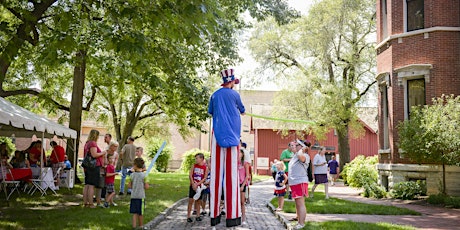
{"x":87,"y":148}
{"x":198,"y":172}
{"x":57,"y":155}
{"x":110,"y":179}
{"x":36,"y":153}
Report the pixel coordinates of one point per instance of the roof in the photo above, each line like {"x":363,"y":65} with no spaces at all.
{"x":367,"y":115}
{"x":21,"y":122}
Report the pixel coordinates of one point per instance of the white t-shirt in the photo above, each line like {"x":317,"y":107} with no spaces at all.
{"x":320,"y":160}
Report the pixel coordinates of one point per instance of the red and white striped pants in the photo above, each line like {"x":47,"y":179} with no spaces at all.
{"x":224,"y":176}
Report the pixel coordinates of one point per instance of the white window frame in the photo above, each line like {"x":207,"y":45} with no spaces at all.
{"x":410,"y":72}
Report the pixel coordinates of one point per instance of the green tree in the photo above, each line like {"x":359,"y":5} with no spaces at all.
{"x":329,"y":55}
{"x":431,"y":134}
{"x":65,"y":42}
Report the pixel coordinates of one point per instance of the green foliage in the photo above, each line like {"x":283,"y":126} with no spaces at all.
{"x":374,"y":190}
{"x":188,"y":159}
{"x":10,"y":147}
{"x":431,"y":134}
{"x":162,"y":162}
{"x":406,"y":190}
{"x":330,"y":56}
{"x":445,"y":200}
{"x":361,"y":171}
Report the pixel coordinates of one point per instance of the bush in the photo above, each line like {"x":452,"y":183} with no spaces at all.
{"x":162,"y":162}
{"x":360,"y":171}
{"x":445,"y":200}
{"x":374,"y":190}
{"x":189,"y":159}
{"x":10,"y":147}
{"x":407,"y":190}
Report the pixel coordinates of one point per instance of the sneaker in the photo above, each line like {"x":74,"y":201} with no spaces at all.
{"x":299,"y":226}
{"x":189,"y":220}
{"x":114,"y":204}
{"x":248,"y":201}
{"x":121,"y":194}
{"x":290,"y":196}
{"x":106,"y":204}
{"x":129,"y":193}
{"x":194,"y":212}
{"x":198,"y":219}
{"x":101,"y":205}
{"x":203,"y":213}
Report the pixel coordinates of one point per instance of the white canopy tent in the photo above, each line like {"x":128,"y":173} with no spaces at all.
{"x":23,"y":123}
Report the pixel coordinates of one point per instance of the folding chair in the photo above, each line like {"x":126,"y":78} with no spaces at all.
{"x":12,"y":184}
{"x":37,"y":184}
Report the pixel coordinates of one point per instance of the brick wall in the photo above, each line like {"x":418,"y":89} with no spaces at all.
{"x":441,"y":49}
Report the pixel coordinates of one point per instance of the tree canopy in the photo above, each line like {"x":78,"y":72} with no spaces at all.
{"x":330,"y":56}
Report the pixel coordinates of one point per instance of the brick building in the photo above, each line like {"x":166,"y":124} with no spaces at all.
{"x":418,"y":58}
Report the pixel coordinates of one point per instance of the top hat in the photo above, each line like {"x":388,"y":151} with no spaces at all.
{"x":228,"y":76}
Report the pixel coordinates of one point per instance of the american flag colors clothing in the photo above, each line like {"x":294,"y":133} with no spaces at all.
{"x":224,"y":178}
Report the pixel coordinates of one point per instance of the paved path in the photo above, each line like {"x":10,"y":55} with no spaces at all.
{"x":259,"y":215}
{"x":431,"y":218}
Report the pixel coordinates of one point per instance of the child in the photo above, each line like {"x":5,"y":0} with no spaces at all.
{"x":197,"y":176}
{"x":138,"y":185}
{"x":280,"y":184}
{"x":243,"y":174}
{"x":207,"y":191}
{"x":109,"y":182}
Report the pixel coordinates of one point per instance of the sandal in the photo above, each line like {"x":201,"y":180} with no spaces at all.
{"x":293,"y":219}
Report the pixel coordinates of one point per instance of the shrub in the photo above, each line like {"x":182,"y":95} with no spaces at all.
{"x":360,"y":171}
{"x":163,"y":160}
{"x":445,"y":200}
{"x":374,"y":190}
{"x":189,"y":159}
{"x":10,"y":147}
{"x":406,"y":190}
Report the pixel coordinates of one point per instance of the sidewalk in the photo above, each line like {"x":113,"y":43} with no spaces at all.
{"x":258,"y":215}
{"x":431,"y":218}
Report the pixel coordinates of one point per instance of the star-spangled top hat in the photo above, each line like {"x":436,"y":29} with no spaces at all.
{"x":228,"y":76}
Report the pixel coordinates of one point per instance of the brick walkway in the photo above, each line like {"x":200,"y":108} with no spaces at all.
{"x":431,"y":218}
{"x":258,"y":214}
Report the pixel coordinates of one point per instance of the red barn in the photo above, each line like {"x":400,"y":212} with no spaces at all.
{"x":270,"y":142}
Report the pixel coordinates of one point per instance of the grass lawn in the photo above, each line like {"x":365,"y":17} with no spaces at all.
{"x":331,"y":225}
{"x":320,"y":205}
{"x":65,"y":211}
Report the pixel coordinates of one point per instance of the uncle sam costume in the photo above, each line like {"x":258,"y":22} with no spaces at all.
{"x":226,"y":107}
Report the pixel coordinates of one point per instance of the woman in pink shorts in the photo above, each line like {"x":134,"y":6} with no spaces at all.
{"x":298,"y":179}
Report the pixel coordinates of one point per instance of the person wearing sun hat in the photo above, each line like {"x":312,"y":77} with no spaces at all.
{"x":226,"y":108}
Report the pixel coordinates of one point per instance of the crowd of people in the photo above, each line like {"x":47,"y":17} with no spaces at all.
{"x":34,"y":157}
{"x":99,"y":180}
{"x":293,"y":172}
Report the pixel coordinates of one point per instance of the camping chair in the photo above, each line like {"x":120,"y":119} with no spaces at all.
{"x":12,"y":184}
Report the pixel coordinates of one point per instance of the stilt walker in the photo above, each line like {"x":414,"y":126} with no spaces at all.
{"x":226,"y":109}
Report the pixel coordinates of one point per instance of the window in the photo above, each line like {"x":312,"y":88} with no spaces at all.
{"x":384,"y":112}
{"x":415,"y":93}
{"x":415,"y":14}
{"x":384,"y":19}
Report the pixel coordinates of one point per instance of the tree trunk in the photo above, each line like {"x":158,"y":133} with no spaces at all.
{"x":344,"y":146}
{"x":76,"y":105}
{"x":444,"y":192}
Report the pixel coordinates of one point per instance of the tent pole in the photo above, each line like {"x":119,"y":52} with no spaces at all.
{"x":41,"y":150}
